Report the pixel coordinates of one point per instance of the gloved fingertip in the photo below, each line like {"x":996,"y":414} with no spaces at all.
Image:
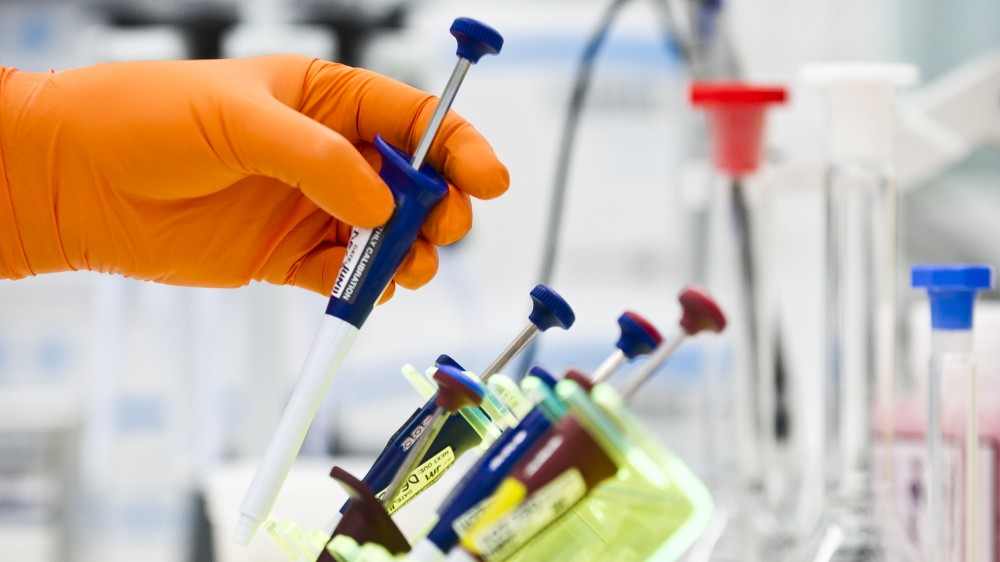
{"x":419,"y":266}
{"x":390,"y":290}
{"x":473,"y":166}
{"x":450,"y":220}
{"x":317,"y":271}
{"x":342,"y":183}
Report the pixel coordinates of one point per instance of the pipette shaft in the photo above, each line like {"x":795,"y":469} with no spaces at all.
{"x":656,"y":360}
{"x":443,"y":105}
{"x":610,"y":365}
{"x":520,"y":342}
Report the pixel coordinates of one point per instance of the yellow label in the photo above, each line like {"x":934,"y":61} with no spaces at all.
{"x":421,"y":477}
{"x":505,"y":536}
{"x":465,"y":521}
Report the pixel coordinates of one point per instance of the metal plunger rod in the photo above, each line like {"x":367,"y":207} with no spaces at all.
{"x":656,"y":360}
{"x":443,"y":105}
{"x":610,"y":365}
{"x":520,"y":342}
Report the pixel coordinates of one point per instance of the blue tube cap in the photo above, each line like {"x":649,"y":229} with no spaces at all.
{"x":952,"y":290}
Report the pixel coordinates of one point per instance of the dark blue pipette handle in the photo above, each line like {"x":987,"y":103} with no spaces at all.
{"x":456,"y":433}
{"x":373,"y":256}
{"x":484,"y":478}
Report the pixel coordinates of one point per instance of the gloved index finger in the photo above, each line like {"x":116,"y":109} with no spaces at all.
{"x":360,"y":104}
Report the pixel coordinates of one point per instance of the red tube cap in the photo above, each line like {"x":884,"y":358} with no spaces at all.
{"x":736,"y":121}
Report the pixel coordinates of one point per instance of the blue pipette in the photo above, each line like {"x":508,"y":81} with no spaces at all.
{"x":460,"y":509}
{"x":372,"y":258}
{"x":456,"y":390}
{"x":548,"y":310}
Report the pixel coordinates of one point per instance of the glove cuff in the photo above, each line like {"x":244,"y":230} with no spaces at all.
{"x":13,"y":262}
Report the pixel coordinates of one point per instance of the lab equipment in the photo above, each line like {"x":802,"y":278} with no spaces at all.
{"x":700,"y":314}
{"x":578,"y":453}
{"x":372,"y":258}
{"x":952,"y":291}
{"x":742,"y":388}
{"x":465,"y":504}
{"x":860,"y":198}
{"x":548,"y":310}
{"x":456,"y":390}
{"x":638,"y":337}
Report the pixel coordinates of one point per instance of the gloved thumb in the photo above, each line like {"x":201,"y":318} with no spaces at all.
{"x":271,"y":139}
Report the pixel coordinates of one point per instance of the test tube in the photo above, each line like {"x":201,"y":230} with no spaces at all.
{"x":952,"y":291}
{"x":742,"y":390}
{"x":860,"y":286}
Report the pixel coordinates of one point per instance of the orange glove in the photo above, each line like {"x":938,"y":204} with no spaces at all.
{"x":214,"y":173}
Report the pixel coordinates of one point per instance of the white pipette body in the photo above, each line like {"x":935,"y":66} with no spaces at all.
{"x":329,"y":348}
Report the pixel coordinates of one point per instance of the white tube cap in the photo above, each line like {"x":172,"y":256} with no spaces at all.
{"x":862,"y":98}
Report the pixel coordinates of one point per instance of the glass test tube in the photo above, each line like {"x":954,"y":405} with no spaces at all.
{"x":951,"y":387}
{"x":740,"y":388}
{"x":860,"y":287}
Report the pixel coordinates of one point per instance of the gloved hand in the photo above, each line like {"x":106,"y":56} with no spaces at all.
{"x":215,"y":173}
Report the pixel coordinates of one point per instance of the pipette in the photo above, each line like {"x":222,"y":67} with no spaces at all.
{"x":559,"y":455}
{"x":372,"y":258}
{"x":548,"y":310}
{"x":700,"y":313}
{"x":456,"y":390}
{"x":638,"y":337}
{"x":461,"y":509}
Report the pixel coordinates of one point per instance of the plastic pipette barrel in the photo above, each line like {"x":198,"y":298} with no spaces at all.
{"x":372,"y":258}
{"x":456,"y":390}
{"x":638,"y":337}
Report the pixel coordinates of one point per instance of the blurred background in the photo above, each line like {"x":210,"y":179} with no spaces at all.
{"x":132,"y":414}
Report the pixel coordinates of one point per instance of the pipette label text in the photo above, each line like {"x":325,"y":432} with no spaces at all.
{"x":508,"y":534}
{"x":361,"y":249}
{"x":422,"y":477}
{"x":417,"y":431}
